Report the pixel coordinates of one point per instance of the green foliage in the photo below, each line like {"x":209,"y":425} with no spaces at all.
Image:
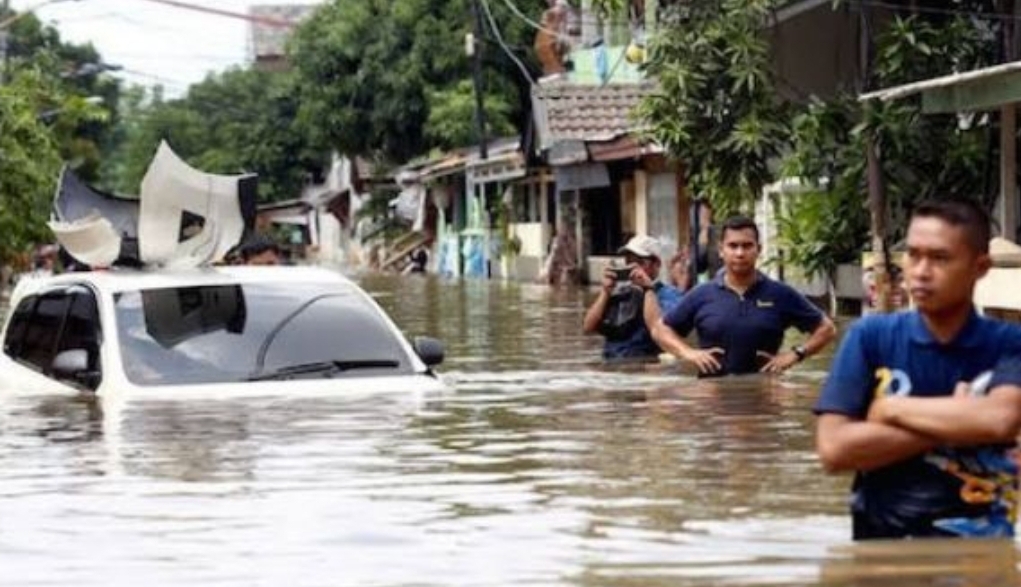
{"x":390,"y":80}
{"x":451,"y":121}
{"x":30,"y":155}
{"x":717,"y":110}
{"x":234,"y":122}
{"x":70,"y":70}
{"x":922,"y":156}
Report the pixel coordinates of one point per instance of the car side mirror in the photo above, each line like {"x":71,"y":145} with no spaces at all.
{"x":73,"y":365}
{"x":429,"y":350}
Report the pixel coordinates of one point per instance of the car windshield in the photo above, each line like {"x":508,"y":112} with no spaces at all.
{"x":231,"y":333}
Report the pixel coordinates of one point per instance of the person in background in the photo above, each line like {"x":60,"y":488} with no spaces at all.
{"x":741,"y":315}
{"x":44,"y":262}
{"x":418,"y":260}
{"x":260,"y":250}
{"x":678,"y":270}
{"x":630,"y":301}
{"x":561,"y":266}
{"x":925,"y":405}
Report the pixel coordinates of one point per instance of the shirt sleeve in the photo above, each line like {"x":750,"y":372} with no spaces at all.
{"x":682,"y":316}
{"x":1008,"y":368}
{"x":800,"y":312}
{"x":668,"y":298}
{"x":848,"y":386}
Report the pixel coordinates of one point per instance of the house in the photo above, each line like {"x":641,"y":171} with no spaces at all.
{"x":320,"y":223}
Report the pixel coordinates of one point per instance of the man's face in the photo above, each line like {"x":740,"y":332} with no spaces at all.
{"x":650,"y":265}
{"x":941,"y":267}
{"x":739,"y":251}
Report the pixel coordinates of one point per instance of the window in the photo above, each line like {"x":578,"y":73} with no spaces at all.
{"x":16,"y":329}
{"x":81,"y":328}
{"x":42,"y":330}
{"x":215,"y":334}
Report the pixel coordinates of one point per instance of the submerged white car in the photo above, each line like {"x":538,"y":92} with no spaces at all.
{"x":215,"y":329}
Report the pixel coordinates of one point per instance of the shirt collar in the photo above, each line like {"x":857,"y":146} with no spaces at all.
{"x":720,"y":280}
{"x":970,"y":335}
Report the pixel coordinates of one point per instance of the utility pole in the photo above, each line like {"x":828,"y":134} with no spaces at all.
{"x":475,"y":46}
{"x":4,"y":9}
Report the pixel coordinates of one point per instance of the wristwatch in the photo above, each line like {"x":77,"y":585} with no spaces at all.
{"x":800,"y":351}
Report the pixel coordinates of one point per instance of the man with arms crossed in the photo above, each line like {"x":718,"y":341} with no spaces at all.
{"x":741,"y":315}
{"x":932,"y":454}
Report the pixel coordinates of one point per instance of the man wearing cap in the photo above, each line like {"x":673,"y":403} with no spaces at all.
{"x":630,"y":302}
{"x":741,"y":315}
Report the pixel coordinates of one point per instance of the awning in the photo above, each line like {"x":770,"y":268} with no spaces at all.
{"x":582,"y":176}
{"x":980,"y":89}
{"x":502,"y":167}
{"x":626,"y":147}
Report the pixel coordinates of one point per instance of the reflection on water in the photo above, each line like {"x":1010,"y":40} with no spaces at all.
{"x":538,"y":467}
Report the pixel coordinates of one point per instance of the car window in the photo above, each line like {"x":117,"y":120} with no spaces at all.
{"x":40,"y":340}
{"x":82,"y":329}
{"x":217,"y":334}
{"x":16,"y":327}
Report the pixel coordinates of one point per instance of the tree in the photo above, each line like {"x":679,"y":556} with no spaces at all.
{"x":238,"y":121}
{"x":30,"y":157}
{"x":716,"y":108}
{"x":923,"y":156}
{"x":72,"y":70}
{"x":390,"y":80}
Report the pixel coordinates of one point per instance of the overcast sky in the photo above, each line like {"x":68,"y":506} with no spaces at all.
{"x":155,"y":43}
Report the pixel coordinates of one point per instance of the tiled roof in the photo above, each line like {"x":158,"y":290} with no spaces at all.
{"x":267,"y":38}
{"x":579,"y":112}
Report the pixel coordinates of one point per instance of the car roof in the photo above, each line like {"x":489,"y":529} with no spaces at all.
{"x":118,"y":280}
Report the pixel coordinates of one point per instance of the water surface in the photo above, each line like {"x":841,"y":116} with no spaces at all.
{"x":538,"y":467}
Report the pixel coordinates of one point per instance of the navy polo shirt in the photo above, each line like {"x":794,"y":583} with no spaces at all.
{"x":922,"y":496}
{"x":742,"y":325}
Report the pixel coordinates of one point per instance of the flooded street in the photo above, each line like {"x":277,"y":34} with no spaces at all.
{"x":538,"y":467}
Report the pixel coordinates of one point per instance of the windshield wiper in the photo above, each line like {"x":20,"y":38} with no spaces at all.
{"x":325,"y":367}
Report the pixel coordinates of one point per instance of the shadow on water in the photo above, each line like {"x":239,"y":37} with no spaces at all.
{"x":539,"y":466}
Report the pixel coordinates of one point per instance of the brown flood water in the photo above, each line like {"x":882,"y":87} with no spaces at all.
{"x":539,"y":467}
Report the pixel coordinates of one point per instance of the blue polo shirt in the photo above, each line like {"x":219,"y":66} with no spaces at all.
{"x":640,"y":344}
{"x":922,"y":496}
{"x":743,"y":325}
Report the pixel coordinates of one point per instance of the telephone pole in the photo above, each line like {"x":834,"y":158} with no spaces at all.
{"x":4,"y":10}
{"x":475,"y":46}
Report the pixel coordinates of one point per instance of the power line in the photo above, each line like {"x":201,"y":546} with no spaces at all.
{"x":259,"y":19}
{"x":940,"y":11}
{"x":503,"y":45}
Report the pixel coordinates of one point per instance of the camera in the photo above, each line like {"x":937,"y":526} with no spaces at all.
{"x":622,"y":273}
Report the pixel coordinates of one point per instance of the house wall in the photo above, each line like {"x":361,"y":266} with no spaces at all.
{"x":816,"y":52}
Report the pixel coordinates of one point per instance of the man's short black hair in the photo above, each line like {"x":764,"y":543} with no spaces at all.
{"x":739,"y":223}
{"x":257,"y":245}
{"x":965,"y":214}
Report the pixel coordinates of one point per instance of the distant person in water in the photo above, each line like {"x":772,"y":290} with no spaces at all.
{"x":418,"y":260}
{"x":260,"y":250}
{"x":631,"y":301}
{"x":741,"y":316}
{"x":561,"y":265}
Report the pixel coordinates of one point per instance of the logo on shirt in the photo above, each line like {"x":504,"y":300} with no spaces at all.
{"x":892,"y":382}
{"x":763,"y":303}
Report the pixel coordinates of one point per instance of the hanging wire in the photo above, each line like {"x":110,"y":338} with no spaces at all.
{"x":503,"y":45}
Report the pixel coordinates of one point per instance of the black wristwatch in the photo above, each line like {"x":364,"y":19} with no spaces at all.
{"x":800,"y":351}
